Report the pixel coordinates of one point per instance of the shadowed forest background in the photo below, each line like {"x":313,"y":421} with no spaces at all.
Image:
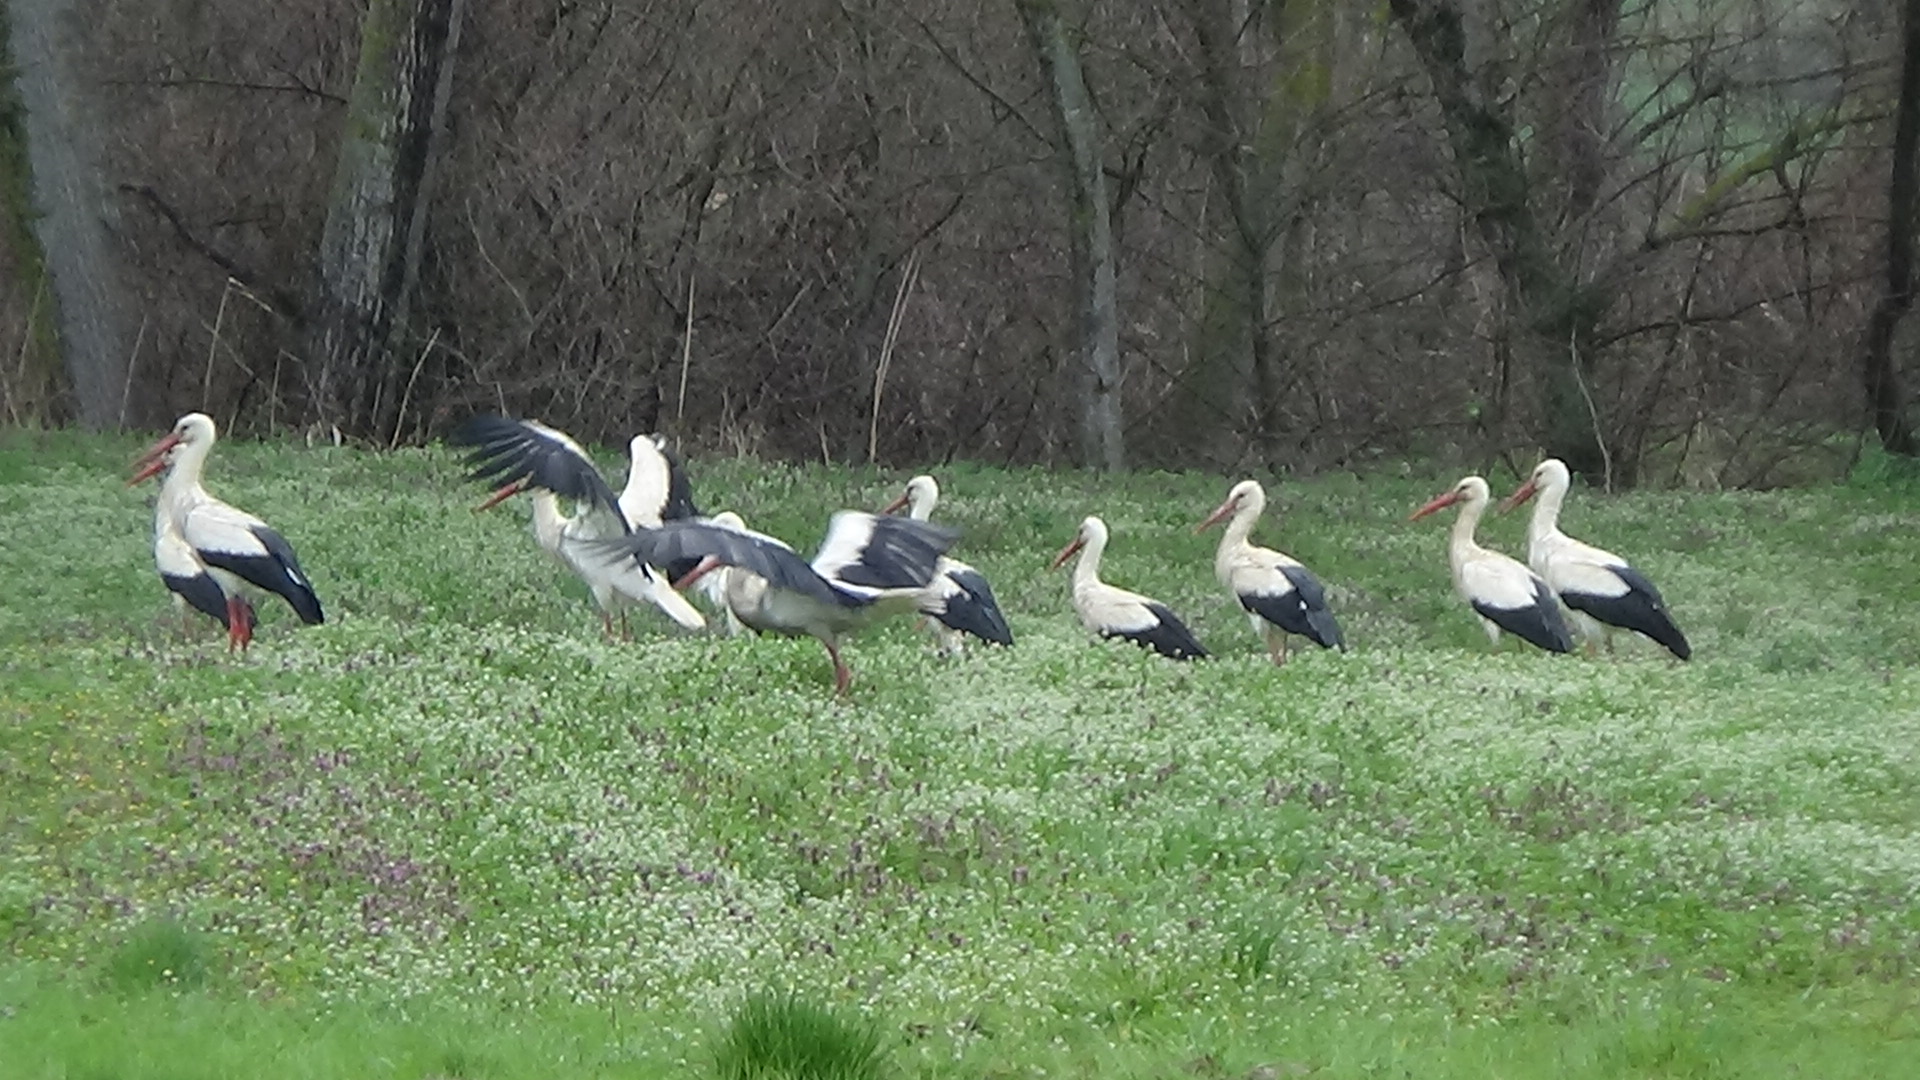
{"x":1670,"y":242}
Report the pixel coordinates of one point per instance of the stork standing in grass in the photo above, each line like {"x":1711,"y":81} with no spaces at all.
{"x":1280,"y":595}
{"x":1601,"y":589}
{"x":1506,"y":595}
{"x":868,"y":567}
{"x":208,"y":552}
{"x":959,"y":601}
{"x":526,"y":455}
{"x":1116,"y":613}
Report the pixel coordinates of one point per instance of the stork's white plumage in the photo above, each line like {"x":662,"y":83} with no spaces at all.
{"x":526,"y":455}
{"x":1506,"y":595}
{"x":1280,"y":595}
{"x":867,"y":568}
{"x":657,"y":488}
{"x":1113,"y":612}
{"x":232,"y":547}
{"x":959,"y":601}
{"x":1601,"y":589}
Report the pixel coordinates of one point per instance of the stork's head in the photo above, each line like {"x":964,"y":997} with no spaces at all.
{"x":1092,"y":531}
{"x":1549,"y":475}
{"x":648,"y":451}
{"x":918,"y":499}
{"x":1247,"y":496}
{"x":193,"y":434}
{"x":1472,"y":490}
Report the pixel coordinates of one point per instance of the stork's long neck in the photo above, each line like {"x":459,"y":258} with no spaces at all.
{"x":1462,"y":547}
{"x":549,"y":524}
{"x":920,"y":505}
{"x":181,"y":485}
{"x":1546,"y":513}
{"x":1240,"y":526}
{"x":1087,"y":570}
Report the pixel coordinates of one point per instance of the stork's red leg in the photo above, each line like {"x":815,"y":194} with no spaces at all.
{"x":842,"y":674}
{"x":236,"y":623}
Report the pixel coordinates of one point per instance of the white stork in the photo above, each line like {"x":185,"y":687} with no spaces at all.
{"x":1507,"y":595}
{"x":200,"y":541}
{"x":1601,"y":589}
{"x":959,"y":601}
{"x":1280,"y":595}
{"x":1113,"y":612}
{"x":868,"y":567}
{"x":526,"y":455}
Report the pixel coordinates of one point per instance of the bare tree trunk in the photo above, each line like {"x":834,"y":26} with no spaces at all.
{"x":1882,"y":377}
{"x":71,"y":207}
{"x":1559,"y":314}
{"x":1216,"y":31}
{"x":370,"y":248}
{"x":1252,"y":136}
{"x":1090,"y":228}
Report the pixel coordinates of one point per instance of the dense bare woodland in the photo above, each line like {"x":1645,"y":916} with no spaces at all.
{"x":1648,"y":237}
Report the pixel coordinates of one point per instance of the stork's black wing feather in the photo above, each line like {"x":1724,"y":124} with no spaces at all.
{"x":201,"y":591}
{"x":898,"y":552}
{"x":1639,"y":609}
{"x":526,"y":451}
{"x":1321,"y":626}
{"x":678,"y":543}
{"x":680,"y":505}
{"x":973,"y":609}
{"x":1539,"y":623}
{"x":278,"y":572}
{"x":1166,"y":635}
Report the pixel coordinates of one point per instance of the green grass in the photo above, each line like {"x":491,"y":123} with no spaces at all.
{"x":455,"y":833}
{"x":782,"y":1036}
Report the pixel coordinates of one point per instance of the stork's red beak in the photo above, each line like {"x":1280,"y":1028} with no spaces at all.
{"x":1439,"y":503}
{"x":502,"y":495}
{"x":701,"y":569}
{"x":896,"y":505}
{"x":1219,"y":515}
{"x":1527,"y":491}
{"x":1067,"y":553}
{"x":153,"y":460}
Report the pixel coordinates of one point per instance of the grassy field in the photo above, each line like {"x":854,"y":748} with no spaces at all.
{"x":454,"y":833}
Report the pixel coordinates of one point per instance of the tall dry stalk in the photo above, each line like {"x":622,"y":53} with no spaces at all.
{"x":686,"y":358}
{"x":894,"y":318}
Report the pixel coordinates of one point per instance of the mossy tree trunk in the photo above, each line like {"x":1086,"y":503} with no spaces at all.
{"x":1090,"y":233}
{"x":370,"y":246}
{"x":71,"y":249}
